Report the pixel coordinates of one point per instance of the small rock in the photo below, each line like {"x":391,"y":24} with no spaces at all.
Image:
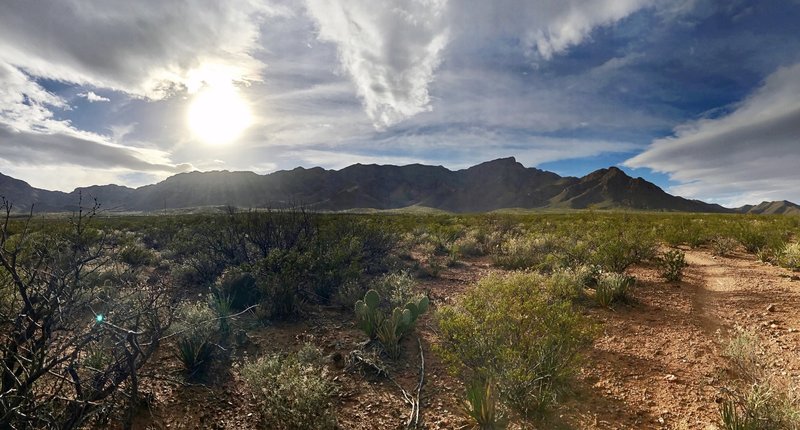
{"x":771,"y":307}
{"x":670,"y":378}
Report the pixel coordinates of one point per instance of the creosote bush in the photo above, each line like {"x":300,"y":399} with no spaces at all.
{"x":512,"y":330}
{"x":293,"y":392}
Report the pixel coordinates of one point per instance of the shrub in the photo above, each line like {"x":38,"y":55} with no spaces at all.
{"x":566,"y":284}
{"x":239,"y":286}
{"x":348,"y":294}
{"x":471,"y":244}
{"x":617,"y":253}
{"x":759,"y":401}
{"x":137,"y":256}
{"x":292,"y":394}
{"x":789,"y":256}
{"x":396,"y":289}
{"x":613,"y":288}
{"x":281,"y":279}
{"x":509,"y":329}
{"x":672,"y":264}
{"x":723,"y":246}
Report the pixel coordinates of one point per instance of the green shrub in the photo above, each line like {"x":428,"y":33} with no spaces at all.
{"x":789,"y":256}
{"x":618,"y":252}
{"x":239,"y":286}
{"x":672,"y":264}
{"x":137,"y":256}
{"x":281,"y":279}
{"x":349,"y":293}
{"x":566,"y":284}
{"x":291,"y":394}
{"x":723,"y":246}
{"x":759,"y":401}
{"x":396,"y":289}
{"x":509,"y":329}
{"x":613,"y":288}
{"x":471,"y":244}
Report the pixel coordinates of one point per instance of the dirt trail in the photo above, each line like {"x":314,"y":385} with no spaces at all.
{"x":658,"y":363}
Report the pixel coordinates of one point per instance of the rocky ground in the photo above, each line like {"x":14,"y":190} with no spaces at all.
{"x":656,"y":363}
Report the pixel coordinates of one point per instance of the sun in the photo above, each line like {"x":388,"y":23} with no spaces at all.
{"x":218,"y":114}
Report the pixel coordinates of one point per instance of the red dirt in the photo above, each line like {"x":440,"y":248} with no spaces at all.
{"x":655,"y":364}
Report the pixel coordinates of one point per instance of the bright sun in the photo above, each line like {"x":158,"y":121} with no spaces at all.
{"x":218,"y":114}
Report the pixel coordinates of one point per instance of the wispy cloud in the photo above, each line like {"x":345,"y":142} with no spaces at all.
{"x":92,"y":97}
{"x":390,"y":50}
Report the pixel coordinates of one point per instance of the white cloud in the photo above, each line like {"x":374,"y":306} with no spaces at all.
{"x":144,"y":48}
{"x":748,"y":155}
{"x":92,"y":97}
{"x":545,"y":27}
{"x":390,"y":49}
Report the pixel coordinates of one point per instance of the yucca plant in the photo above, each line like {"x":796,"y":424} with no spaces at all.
{"x":613,"y":288}
{"x":481,"y":405}
{"x":195,"y":353}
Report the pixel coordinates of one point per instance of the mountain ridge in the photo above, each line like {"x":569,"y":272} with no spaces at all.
{"x":491,"y":185}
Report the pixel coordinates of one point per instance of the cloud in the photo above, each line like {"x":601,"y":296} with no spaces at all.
{"x":144,"y":48}
{"x":390,"y":50}
{"x":750,"y":154}
{"x":545,"y":27}
{"x":92,"y":97}
{"x":32,"y":137}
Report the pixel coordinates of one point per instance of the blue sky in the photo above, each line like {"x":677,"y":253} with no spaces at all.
{"x":701,"y":97}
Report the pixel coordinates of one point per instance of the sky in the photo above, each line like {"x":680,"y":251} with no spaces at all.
{"x":700,"y":97}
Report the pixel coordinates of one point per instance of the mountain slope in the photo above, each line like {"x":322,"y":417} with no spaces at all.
{"x":781,"y":207}
{"x":612,"y":188}
{"x":497,"y":184}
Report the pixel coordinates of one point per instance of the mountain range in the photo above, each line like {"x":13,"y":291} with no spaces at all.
{"x":498,"y":184}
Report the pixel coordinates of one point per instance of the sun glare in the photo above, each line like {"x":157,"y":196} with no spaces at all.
{"x":218,"y":114}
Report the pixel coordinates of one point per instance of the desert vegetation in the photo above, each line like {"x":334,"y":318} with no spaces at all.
{"x":303,"y":320}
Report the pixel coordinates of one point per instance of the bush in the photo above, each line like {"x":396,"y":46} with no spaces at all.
{"x":239,"y":286}
{"x":789,"y":256}
{"x":758,"y":401}
{"x":672,"y":264}
{"x":613,"y":288}
{"x":292,"y":394}
{"x":744,"y":350}
{"x":137,"y":256}
{"x":723,"y":246}
{"x":396,"y":289}
{"x":617,"y":253}
{"x":508,"y":328}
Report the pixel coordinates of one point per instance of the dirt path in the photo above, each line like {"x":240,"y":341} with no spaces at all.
{"x":657,"y":363}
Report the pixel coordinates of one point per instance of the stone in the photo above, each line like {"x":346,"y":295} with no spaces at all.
{"x":771,"y":307}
